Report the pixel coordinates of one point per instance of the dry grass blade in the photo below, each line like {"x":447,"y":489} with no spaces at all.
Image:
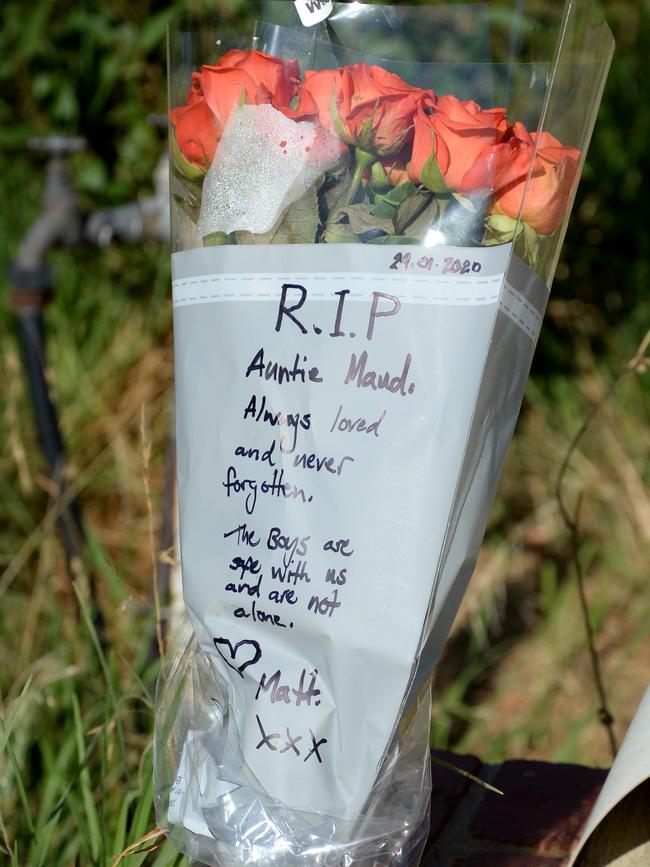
{"x":5,"y":838}
{"x":28,"y":645}
{"x":14,"y":436}
{"x":146,"y":460}
{"x":456,"y":770}
{"x":637,"y":364}
{"x":132,"y":848}
{"x":52,"y":515}
{"x":73,"y":489}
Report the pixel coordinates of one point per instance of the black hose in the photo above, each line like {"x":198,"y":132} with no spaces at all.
{"x":32,"y":337}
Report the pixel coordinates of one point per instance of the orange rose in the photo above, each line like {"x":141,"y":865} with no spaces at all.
{"x":458,"y":133}
{"x":543,"y":203}
{"x":366,"y":106}
{"x":195,"y":94}
{"x":278,"y":79}
{"x":196,"y":132}
{"x":224,"y":88}
{"x":240,"y":76}
{"x":546,"y":199}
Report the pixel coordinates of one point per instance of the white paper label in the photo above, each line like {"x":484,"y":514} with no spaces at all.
{"x":313,"y":11}
{"x":324,"y":399}
{"x":195,"y":787}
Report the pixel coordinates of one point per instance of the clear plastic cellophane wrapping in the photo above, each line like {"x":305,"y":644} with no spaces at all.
{"x":368,"y":204}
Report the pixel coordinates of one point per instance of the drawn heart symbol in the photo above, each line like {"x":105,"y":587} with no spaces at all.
{"x":254,"y":654}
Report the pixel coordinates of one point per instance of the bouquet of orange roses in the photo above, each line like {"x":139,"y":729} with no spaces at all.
{"x":386,"y":162}
{"x":367,"y":208}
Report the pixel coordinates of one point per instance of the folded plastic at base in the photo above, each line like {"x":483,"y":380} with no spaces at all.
{"x":227,"y":823}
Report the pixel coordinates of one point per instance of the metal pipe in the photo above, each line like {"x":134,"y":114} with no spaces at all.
{"x":61,"y":223}
{"x":32,"y":337}
{"x":32,"y":280}
{"x":145,"y":220}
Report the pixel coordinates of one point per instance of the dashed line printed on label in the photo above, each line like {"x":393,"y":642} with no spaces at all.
{"x":472,"y":290}
{"x":521,"y":312}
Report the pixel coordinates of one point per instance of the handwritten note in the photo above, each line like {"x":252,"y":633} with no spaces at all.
{"x":324,"y":397}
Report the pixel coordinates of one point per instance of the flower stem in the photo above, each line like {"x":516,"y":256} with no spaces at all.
{"x":216,"y":239}
{"x":362,"y":160}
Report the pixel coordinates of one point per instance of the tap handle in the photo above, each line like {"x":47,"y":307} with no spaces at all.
{"x":59,"y":193}
{"x":57,"y":144}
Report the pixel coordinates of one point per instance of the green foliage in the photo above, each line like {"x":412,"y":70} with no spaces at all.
{"x":76,"y":784}
{"x":606,"y":260}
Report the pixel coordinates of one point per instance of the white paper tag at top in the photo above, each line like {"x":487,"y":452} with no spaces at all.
{"x":313,"y":11}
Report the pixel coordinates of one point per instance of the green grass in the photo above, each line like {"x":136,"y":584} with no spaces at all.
{"x":529,"y":689}
{"x":75,"y":764}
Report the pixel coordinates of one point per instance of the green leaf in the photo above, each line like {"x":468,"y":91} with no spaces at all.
{"x":168,"y":856}
{"x":106,"y":671}
{"x":396,"y":239}
{"x":365,"y":137}
{"x":379,"y":181}
{"x":100,"y":561}
{"x":432,"y":177}
{"x":91,"y":174}
{"x":417,"y":214}
{"x":152,"y":32}
{"x":382,"y":208}
{"x":90,"y":810}
{"x":339,"y":233}
{"x":19,"y":783}
{"x":398,"y":194}
{"x":332,"y":192}
{"x":531,"y":242}
{"x":216,"y":239}
{"x":56,"y":758}
{"x":65,"y":108}
{"x":8,"y":725}
{"x":298,"y":225}
{"x":362,"y":220}
{"x":501,"y":228}
{"x":187,"y":170}
{"x":338,"y":124}
{"x":144,"y":807}
{"x":34,"y":29}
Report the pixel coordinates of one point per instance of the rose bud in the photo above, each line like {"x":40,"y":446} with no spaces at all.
{"x":366,"y":106}
{"x":196,"y":133}
{"x":455,"y":134}
{"x":546,"y":199}
{"x":544,"y":202}
{"x":239,"y":77}
{"x":278,"y":79}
